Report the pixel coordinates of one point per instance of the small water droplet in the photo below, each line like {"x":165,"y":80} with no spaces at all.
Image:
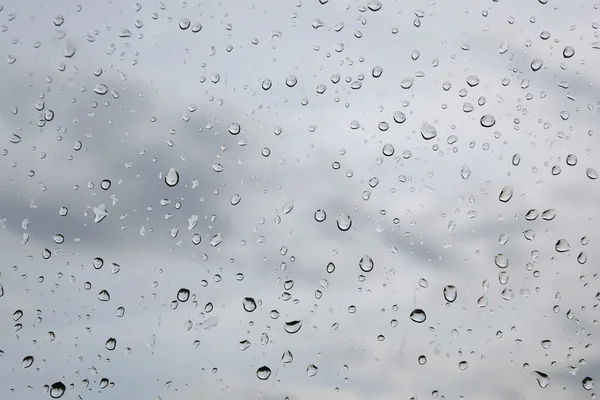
{"x":587,"y":383}
{"x":103,"y":295}
{"x":542,"y":379}
{"x":536,"y":64}
{"x":568,"y":52}
{"x":111,"y":344}
{"x":311,"y":370}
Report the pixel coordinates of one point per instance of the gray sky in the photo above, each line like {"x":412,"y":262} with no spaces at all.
{"x":448,"y":229}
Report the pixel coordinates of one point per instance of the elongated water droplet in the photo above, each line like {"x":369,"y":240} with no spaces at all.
{"x":536,"y":64}
{"x":465,"y":172}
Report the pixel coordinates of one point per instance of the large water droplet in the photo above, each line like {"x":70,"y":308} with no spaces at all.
{"x":568,"y":52}
{"x":587,"y":383}
{"x":417,"y":315}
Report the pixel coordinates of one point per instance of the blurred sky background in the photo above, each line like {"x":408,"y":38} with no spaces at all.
{"x":171,"y":98}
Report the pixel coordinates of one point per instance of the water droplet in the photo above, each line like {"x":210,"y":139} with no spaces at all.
{"x":487,"y":121}
{"x":571,"y":160}
{"x":291,"y":81}
{"x":27,"y":361}
{"x":172,"y":177}
{"x":562,"y":246}
{"x":111,"y":344}
{"x":417,"y":315}
{"x":542,"y":379}
{"x":587,"y":383}
{"x":105,"y":184}
{"x":235,"y":199}
{"x":377,"y":71}
{"x":249,"y":304}
{"x":292,"y":326}
{"x":366,"y":264}
{"x":501,"y":261}
{"x":263,"y":373}
{"x":407,"y":83}
{"x":399,"y":117}
{"x":216,"y":240}
{"x":287,"y":357}
{"x":582,"y":258}
{"x":546,"y":344}
{"x":183,"y":295}
{"x":288,"y":206}
{"x":428,"y":131}
{"x":549,"y":214}
{"x":57,"y":390}
{"x":450,"y":293}
{"x":330,"y":267}
{"x":344,"y":222}
{"x":465,"y":172}
{"x":99,"y":213}
{"x":532,"y":215}
{"x":591,"y":173}
{"x":103,"y":296}
{"x":101,"y":89}
{"x":568,"y":52}
{"x":472,"y":80}
{"x":311,"y":370}
{"x":506,"y":194}
{"x":388,"y":150}
{"x":463,"y":365}
{"x":266,"y":84}
{"x":58,"y":238}
{"x":320,"y":215}
{"x":234,"y":128}
{"x":374,"y":5}
{"x":536,"y":64}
